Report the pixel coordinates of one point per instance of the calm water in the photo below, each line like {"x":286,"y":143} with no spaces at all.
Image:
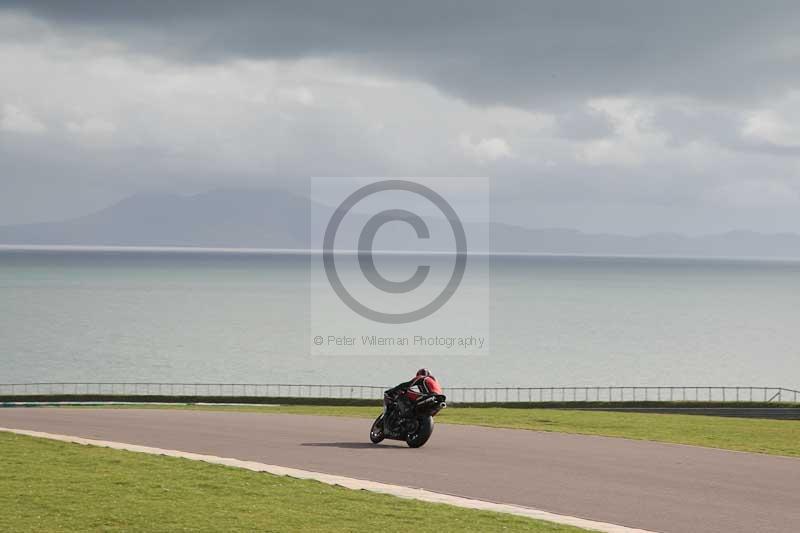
{"x":221,"y":317}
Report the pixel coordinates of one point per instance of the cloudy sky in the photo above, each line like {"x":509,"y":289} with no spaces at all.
{"x":625,"y":117}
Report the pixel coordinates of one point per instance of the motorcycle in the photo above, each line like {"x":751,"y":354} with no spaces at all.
{"x":407,"y":418}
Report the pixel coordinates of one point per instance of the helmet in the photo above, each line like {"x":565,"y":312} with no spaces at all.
{"x":423,"y":372}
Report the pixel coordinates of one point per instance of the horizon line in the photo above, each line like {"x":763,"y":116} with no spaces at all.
{"x":190,"y":249}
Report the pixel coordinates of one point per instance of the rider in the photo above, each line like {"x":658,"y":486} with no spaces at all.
{"x":423,"y":381}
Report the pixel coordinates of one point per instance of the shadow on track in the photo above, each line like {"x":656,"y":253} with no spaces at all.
{"x":352,"y":445}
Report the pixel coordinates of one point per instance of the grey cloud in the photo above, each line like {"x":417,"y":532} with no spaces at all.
{"x":684,"y":126}
{"x":516,"y":53}
{"x":716,"y":59}
{"x":769,"y":148}
{"x":723,"y":127}
{"x":584,"y":124}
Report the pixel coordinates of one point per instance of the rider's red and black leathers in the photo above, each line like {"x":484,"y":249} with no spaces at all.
{"x":425,"y":385}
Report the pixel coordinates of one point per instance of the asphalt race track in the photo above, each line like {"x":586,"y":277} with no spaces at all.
{"x":659,"y":487}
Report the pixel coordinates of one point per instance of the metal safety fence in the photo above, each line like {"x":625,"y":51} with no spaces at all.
{"x":622,"y":394}
{"x":254,"y":390}
{"x":372,"y":392}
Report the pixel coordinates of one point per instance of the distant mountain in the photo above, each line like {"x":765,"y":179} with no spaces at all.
{"x":566,"y":241}
{"x":220,"y":218}
{"x":278,"y":219}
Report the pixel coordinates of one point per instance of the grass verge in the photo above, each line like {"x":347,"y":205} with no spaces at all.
{"x":775,"y":437}
{"x":56,"y":486}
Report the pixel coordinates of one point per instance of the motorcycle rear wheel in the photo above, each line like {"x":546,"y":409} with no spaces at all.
{"x":422,"y":433}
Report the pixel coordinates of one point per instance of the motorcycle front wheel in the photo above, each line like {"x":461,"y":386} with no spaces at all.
{"x":423,"y":432}
{"x":376,"y":434}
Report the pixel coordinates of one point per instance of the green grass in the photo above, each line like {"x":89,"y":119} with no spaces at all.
{"x":775,"y":437}
{"x":56,"y":486}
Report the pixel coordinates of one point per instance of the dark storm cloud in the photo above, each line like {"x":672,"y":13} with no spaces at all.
{"x":623,"y":116}
{"x":518,"y":53}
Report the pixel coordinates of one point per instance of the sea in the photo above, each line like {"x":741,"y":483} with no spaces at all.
{"x":225,"y":316}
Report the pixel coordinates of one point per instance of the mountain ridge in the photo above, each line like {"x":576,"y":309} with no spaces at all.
{"x":273,"y":218}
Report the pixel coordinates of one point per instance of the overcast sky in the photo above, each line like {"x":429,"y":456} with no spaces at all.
{"x":626,"y":117}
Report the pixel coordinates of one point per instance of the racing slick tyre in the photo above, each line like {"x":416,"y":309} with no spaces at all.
{"x":376,"y":433}
{"x":423,"y":432}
